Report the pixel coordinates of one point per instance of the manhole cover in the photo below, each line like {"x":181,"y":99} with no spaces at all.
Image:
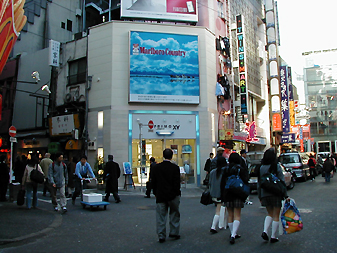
{"x":146,"y":207}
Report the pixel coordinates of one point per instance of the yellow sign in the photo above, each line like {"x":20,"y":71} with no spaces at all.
{"x":226,"y":134}
{"x":292,"y":112}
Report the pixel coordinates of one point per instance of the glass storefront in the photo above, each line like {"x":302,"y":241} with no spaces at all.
{"x":184,"y":156}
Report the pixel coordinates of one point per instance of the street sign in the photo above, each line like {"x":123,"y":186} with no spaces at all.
{"x":12,"y":139}
{"x":150,"y":124}
{"x":12,"y":131}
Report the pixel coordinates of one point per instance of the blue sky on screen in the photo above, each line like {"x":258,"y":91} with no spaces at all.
{"x":185,"y":63}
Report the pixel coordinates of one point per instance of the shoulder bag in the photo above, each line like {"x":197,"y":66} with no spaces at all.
{"x":273,"y":184}
{"x":235,"y":185}
{"x":36,"y":176}
{"x":206,"y":198}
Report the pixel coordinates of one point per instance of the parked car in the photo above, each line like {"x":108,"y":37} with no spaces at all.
{"x":293,"y":161}
{"x":289,"y":176}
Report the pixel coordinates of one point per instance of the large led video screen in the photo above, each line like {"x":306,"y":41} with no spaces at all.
{"x":164,"y":68}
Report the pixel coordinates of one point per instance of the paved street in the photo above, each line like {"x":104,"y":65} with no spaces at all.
{"x":130,"y":226}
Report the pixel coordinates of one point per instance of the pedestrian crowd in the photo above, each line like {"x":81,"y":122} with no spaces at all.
{"x":69,"y":178}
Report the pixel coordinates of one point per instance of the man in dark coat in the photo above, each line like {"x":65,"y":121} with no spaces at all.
{"x":111,"y":174}
{"x":4,"y":178}
{"x":166,"y":188}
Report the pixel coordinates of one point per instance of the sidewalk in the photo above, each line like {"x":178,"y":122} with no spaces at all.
{"x":18,"y":223}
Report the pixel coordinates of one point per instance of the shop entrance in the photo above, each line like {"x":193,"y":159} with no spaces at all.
{"x":184,"y":156}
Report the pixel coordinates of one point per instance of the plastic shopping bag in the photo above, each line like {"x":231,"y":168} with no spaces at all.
{"x":290,"y":218}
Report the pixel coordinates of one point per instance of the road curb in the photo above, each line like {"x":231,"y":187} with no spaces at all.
{"x":56,"y":223}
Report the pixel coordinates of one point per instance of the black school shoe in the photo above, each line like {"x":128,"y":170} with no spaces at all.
{"x":161,"y":240}
{"x":232,"y":241}
{"x":213,"y":231}
{"x":265,"y":236}
{"x":273,"y":240}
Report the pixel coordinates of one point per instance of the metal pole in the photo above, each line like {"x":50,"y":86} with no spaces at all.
{"x":109,"y":10}
{"x":11,"y":165}
{"x":140,"y":155}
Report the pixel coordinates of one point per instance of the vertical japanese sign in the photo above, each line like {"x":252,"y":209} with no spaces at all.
{"x":284,"y":99}
{"x":242,"y":66}
{"x":54,"y":53}
{"x":301,"y":139}
{"x":291,"y":99}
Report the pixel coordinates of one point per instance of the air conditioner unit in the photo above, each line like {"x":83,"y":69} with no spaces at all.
{"x":68,"y":98}
{"x":92,"y":145}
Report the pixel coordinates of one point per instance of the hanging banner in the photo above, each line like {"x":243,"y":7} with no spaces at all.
{"x":284,"y":99}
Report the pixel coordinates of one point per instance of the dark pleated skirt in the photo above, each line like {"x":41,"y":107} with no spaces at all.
{"x":272,"y":201}
{"x":236,"y":203}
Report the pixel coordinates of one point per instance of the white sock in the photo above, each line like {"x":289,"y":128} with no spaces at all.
{"x":215,"y":221}
{"x":274,"y":228}
{"x":267,"y":223}
{"x":236,"y":225}
{"x":230,"y":225}
{"x":222,"y":217}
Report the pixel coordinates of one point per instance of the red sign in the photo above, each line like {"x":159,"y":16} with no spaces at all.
{"x":277,"y":122}
{"x":150,"y":124}
{"x":12,"y":131}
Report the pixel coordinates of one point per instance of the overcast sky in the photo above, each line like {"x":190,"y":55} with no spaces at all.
{"x":305,"y":26}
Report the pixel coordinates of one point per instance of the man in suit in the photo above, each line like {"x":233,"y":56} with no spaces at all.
{"x":111,"y":174}
{"x":166,"y":188}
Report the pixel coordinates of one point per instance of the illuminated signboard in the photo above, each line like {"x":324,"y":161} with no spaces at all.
{"x":242,"y":66}
{"x":284,"y":99}
{"x":175,"y":10}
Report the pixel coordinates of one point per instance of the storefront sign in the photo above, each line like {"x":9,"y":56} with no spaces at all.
{"x":277,"y":126}
{"x":284,"y":99}
{"x":226,"y":134}
{"x":54,"y":53}
{"x":240,"y":136}
{"x":177,"y":126}
{"x":252,"y":131}
{"x":64,"y":124}
{"x":171,"y":72}
{"x":242,"y":66}
{"x":176,"y":10}
{"x":288,"y":138}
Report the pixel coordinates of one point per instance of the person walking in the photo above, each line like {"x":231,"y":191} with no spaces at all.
{"x":166,"y":188}
{"x":71,"y":175}
{"x":312,"y":166}
{"x":19,"y":168}
{"x":215,"y":191}
{"x":45,"y":162}
{"x":111,"y":174}
{"x":58,"y":178}
{"x":207,"y":168}
{"x":28,"y":185}
{"x":219,"y":153}
{"x":4,"y":178}
{"x":272,"y":202}
{"x":149,"y":183}
{"x":328,"y":167}
{"x":81,"y":171}
{"x":231,"y":200}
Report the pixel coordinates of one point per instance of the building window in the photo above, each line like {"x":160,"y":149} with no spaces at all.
{"x":77,"y":71}
{"x":69,"y":25}
{"x":220,"y":10}
{"x":63,"y":25}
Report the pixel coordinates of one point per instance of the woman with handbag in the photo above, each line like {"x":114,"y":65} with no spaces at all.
{"x":271,"y":201}
{"x":215,"y":177}
{"x":233,"y":201}
{"x":28,"y":184}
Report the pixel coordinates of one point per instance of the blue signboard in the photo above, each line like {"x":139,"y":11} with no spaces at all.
{"x":164,"y":68}
{"x":288,"y":138}
{"x":284,"y":99}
